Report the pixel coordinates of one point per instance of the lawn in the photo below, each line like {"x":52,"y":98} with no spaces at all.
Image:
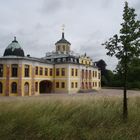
{"x":68,"y":118}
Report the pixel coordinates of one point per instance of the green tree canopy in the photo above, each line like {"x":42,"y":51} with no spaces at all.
{"x":125,"y":46}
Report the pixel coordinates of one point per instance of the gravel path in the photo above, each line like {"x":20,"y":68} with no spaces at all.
{"x":117,"y":92}
{"x":100,"y":93}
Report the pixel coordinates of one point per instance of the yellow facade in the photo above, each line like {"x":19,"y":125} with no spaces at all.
{"x":58,"y":72}
{"x":64,"y":78}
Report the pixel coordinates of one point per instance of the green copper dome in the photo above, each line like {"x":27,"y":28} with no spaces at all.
{"x":14,"y":48}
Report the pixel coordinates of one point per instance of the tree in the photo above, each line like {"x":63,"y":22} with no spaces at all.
{"x":101,"y":65}
{"x":125,"y":47}
{"x":106,"y":75}
{"x":134,"y":71}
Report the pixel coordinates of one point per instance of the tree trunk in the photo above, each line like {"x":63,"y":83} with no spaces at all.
{"x":125,"y":110}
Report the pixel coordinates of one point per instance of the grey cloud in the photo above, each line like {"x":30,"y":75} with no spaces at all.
{"x":37,"y":24}
{"x":51,"y":6}
{"x":137,"y":7}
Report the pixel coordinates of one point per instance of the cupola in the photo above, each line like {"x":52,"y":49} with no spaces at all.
{"x":63,"y":46}
{"x":14,"y":49}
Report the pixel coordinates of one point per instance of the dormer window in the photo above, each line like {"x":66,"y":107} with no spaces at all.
{"x":71,"y":60}
{"x":58,"y":60}
{"x":64,"y":59}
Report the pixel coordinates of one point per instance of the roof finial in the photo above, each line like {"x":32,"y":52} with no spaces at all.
{"x":63,"y":28}
{"x":15,"y":40}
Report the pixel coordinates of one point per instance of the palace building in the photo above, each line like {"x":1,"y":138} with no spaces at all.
{"x":62,"y":71}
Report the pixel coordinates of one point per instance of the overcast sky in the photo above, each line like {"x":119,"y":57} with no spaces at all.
{"x":37,"y":25}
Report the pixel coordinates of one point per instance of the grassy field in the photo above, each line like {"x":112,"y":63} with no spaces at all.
{"x":68,"y":118}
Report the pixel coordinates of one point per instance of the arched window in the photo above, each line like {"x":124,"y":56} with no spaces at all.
{"x":1,"y":88}
{"x":14,"y":87}
{"x":58,"y":47}
{"x":26,"y":88}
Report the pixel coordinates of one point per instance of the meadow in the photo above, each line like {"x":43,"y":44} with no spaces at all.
{"x":84,"y":117}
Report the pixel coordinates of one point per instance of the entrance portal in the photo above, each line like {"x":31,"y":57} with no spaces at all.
{"x":45,"y":87}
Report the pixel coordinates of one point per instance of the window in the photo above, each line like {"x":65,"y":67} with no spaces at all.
{"x":41,"y":71}
{"x":95,"y":84}
{"x":72,"y":85}
{"x":99,"y":84}
{"x":71,"y":59}
{"x":63,"y":71}
{"x":51,"y":72}
{"x":26,"y":71}
{"x":58,"y":60}
{"x":62,"y":85}
{"x":1,"y":88}
{"x":86,"y":74}
{"x":89,"y":74}
{"x":63,"y":47}
{"x":90,"y":85}
{"x":93,"y":74}
{"x":76,"y":72}
{"x":36,"y":86}
{"x":57,"y":84}
{"x":14,"y":87}
{"x":26,"y":89}
{"x":86,"y":85}
{"x":14,"y":70}
{"x":76,"y":85}
{"x":64,"y":59}
{"x":52,"y":60}
{"x":57,"y":71}
{"x":1,"y":70}
{"x":99,"y":75}
{"x":72,"y":72}
{"x":36,"y":70}
{"x":58,"y":47}
{"x":46,"y":72}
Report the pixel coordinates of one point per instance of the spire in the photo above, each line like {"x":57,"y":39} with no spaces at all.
{"x":63,"y":35}
{"x":15,"y":40}
{"x":62,"y":40}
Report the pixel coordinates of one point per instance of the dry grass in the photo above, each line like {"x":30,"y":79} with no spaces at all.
{"x":57,"y":117}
